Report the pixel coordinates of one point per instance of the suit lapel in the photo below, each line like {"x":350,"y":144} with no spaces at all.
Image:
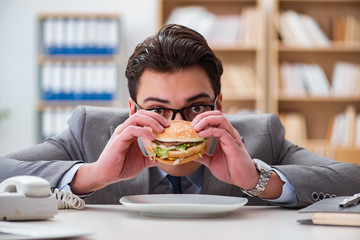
{"x":211,"y":185}
{"x":135,"y":186}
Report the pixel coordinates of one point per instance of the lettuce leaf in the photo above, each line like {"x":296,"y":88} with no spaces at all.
{"x":164,"y":152}
{"x":182,"y":147}
{"x":161,"y":152}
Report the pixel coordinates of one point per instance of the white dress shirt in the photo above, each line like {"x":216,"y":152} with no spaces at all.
{"x":191,"y":184}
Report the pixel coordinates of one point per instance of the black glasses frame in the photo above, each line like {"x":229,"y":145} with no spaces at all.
{"x":179,"y":110}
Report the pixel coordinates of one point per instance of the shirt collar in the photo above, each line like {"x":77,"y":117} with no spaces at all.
{"x":157,"y":175}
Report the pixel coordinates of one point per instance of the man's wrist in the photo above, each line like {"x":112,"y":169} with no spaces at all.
{"x":273,"y":189}
{"x":288,"y":195}
{"x":68,"y":177}
{"x":265,"y":172}
{"x":83,"y":181}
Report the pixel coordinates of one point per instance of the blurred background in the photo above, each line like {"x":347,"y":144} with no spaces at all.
{"x":298,"y":59}
{"x":21,"y":50}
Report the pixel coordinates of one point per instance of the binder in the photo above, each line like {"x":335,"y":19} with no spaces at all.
{"x":80,"y":36}
{"x":328,"y":212}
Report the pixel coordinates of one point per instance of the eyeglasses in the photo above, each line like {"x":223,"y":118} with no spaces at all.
{"x":187,"y":113}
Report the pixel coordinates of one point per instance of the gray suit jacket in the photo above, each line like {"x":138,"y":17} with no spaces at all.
{"x":90,"y":129}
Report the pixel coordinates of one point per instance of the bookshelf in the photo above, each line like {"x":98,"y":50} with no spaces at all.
{"x":78,"y":63}
{"x":293,"y":58}
{"x":228,"y":25}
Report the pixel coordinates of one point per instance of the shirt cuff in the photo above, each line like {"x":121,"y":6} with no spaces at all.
{"x":288,"y":196}
{"x":68,"y":177}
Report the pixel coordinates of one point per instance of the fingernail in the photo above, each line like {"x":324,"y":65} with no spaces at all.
{"x":165,"y":122}
{"x":160,"y":128}
{"x":193,"y":123}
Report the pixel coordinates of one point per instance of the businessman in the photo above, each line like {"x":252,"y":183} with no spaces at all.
{"x":175,"y":75}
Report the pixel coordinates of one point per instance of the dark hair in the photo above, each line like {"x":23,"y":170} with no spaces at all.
{"x":173,"y":48}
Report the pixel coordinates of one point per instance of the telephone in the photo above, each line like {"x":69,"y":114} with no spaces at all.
{"x":30,"y":198}
{"x":26,"y":198}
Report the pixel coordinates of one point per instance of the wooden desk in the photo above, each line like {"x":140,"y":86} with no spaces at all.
{"x":118,"y":222}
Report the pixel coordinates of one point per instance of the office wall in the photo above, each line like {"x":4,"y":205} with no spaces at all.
{"x":18,"y":55}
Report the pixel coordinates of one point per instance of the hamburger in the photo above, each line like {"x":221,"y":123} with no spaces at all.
{"x":178,"y":144}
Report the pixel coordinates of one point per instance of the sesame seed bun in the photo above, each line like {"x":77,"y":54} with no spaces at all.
{"x":179,"y":131}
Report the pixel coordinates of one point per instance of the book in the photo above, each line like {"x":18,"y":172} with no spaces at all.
{"x":357,"y":136}
{"x":250,"y":33}
{"x":295,"y":126}
{"x":291,"y":81}
{"x":54,"y":120}
{"x":220,"y":29}
{"x":343,"y":130}
{"x":313,"y":79}
{"x":346,"y":29}
{"x":90,"y":80}
{"x":318,"y":37}
{"x":238,"y":80}
{"x":68,"y":35}
{"x":350,"y":126}
{"x":301,"y":30}
{"x":225,"y":30}
{"x":328,"y":212}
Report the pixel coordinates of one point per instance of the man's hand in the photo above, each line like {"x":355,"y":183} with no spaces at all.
{"x":121,"y":158}
{"x":231,"y":162}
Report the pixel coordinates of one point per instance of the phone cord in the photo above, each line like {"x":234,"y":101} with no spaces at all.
{"x":66,"y":199}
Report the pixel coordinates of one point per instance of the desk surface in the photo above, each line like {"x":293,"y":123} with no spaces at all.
{"x":119,"y":222}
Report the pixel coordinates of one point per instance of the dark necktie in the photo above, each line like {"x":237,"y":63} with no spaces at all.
{"x":175,"y":182}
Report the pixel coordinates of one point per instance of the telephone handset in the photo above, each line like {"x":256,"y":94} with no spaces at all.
{"x":26,"y":198}
{"x":30,"y":198}
{"x":29,"y":186}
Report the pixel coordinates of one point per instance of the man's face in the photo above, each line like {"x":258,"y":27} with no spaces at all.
{"x":175,"y":90}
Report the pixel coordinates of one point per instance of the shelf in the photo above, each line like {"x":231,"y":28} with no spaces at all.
{"x":284,"y":97}
{"x":82,"y":59}
{"x":319,"y":1}
{"x":232,"y":48}
{"x":72,"y":104}
{"x":246,"y":96}
{"x":43,"y":16}
{"x":210,"y":1}
{"x":334,"y":48}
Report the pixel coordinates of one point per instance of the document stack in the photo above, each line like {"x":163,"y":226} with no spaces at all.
{"x":78,"y":81}
{"x":345,"y":128}
{"x":300,"y":79}
{"x":301,"y":30}
{"x":54,"y":120}
{"x":239,"y":80}
{"x":80,"y":35}
{"x":220,"y":30}
{"x":346,"y":29}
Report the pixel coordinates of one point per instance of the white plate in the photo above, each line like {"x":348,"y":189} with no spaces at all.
{"x":21,"y":230}
{"x":183,"y":205}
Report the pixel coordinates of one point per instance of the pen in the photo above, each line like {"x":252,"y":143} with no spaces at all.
{"x":350,"y":201}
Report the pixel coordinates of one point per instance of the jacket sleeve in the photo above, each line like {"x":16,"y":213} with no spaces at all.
{"x":50,"y":159}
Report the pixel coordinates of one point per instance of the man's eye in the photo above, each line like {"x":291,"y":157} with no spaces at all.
{"x":159,"y":111}
{"x":197,"y":109}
